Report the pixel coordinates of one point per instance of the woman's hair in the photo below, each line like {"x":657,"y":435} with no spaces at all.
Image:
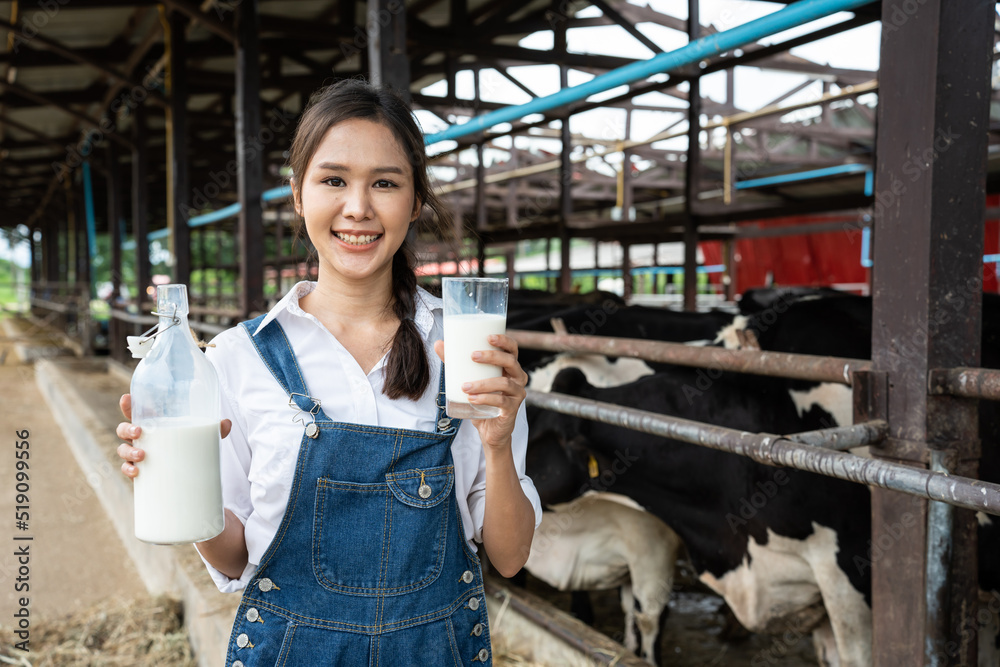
{"x":407,"y":371}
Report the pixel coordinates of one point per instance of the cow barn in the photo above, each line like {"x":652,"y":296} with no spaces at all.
{"x":752,"y":251}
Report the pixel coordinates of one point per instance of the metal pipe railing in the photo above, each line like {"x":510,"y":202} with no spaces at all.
{"x":778,"y":450}
{"x":843,"y":438}
{"x":774,"y":364}
{"x":966,"y":382}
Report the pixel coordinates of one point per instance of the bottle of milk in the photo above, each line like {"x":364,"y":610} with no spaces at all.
{"x":175,"y":400}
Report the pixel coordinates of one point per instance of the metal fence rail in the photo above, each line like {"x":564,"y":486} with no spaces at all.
{"x":779,"y":450}
{"x":774,"y":364}
{"x":967,"y":382}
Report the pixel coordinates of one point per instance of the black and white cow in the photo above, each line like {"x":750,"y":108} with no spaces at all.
{"x":839,"y":327}
{"x":777,"y":544}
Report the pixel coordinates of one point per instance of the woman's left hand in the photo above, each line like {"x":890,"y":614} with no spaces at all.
{"x":505,"y":392}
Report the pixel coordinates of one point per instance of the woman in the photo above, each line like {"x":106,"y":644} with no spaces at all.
{"x":350,"y":517}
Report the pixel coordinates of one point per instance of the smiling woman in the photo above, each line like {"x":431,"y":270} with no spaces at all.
{"x":342,"y":475}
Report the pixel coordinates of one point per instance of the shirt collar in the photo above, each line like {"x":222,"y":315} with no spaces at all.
{"x":426,"y":304}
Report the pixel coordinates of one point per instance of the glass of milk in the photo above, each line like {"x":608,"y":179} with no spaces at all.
{"x":474,"y":309}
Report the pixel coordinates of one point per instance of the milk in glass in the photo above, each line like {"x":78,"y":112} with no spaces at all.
{"x":474,"y":309}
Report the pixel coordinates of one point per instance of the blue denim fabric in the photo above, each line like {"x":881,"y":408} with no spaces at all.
{"x":370,"y":565}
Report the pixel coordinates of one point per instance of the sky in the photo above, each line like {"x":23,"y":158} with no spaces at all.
{"x":754,"y":88}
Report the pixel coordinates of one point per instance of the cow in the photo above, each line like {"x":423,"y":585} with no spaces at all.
{"x":601,"y":541}
{"x":839,"y":326}
{"x":770,"y":541}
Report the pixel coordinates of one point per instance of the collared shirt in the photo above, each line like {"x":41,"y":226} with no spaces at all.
{"x":258,"y":457}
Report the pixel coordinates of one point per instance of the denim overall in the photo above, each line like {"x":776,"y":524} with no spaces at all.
{"x":370,"y":565}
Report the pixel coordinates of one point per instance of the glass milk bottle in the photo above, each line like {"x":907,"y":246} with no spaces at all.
{"x":175,"y":400}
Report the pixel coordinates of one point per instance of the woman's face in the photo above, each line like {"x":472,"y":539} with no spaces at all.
{"x":357,"y":199}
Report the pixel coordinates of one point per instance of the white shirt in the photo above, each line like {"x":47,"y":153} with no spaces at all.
{"x":259,"y":455}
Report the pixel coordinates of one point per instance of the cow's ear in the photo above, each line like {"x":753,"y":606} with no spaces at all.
{"x":569,"y":381}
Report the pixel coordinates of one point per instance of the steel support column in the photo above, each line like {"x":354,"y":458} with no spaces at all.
{"x":691,"y":172}
{"x":81,"y":254}
{"x":140,"y":203}
{"x":565,"y":283}
{"x":51,"y":255}
{"x":930,"y":184}
{"x":178,"y":185}
{"x":387,"y":60}
{"x":250,"y":158}
{"x":114,"y":221}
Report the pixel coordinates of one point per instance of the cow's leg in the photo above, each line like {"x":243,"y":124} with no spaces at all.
{"x":850,"y":617}
{"x":826,"y":645}
{"x":651,"y":587}
{"x":628,"y":607}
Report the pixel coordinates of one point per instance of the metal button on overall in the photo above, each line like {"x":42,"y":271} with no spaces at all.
{"x":477,"y":629}
{"x":467,"y":576}
{"x":253,"y":615}
{"x":243,"y":640}
{"x":265,"y":584}
{"x":443,"y":423}
{"x":237,"y":663}
{"x":474,"y":604}
{"x":483,"y":655}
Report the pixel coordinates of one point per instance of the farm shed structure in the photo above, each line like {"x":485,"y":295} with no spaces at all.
{"x":163,"y":127}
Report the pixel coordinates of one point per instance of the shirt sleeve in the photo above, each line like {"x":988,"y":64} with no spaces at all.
{"x":519,"y":447}
{"x":234,"y":464}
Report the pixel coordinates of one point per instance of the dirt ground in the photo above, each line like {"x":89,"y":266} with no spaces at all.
{"x":75,"y":559}
{"x":692,"y":637}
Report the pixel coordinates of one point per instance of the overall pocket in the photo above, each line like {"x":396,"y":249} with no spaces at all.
{"x":382,"y":538}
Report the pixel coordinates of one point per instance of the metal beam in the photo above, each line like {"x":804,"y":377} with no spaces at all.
{"x":193,"y":12}
{"x":387,"y":47}
{"x":692,"y":173}
{"x":40,"y":136}
{"x":93,"y":123}
{"x":178,"y":184}
{"x":250,"y":177}
{"x":929,"y":209}
{"x":114,"y":182}
{"x":629,"y":27}
{"x":792,"y":16}
{"x":777,"y":450}
{"x":78,"y":56}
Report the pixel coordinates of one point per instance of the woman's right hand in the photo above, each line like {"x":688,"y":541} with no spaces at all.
{"x":130,"y":454}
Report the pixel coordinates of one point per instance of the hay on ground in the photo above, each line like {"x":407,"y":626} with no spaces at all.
{"x":112,"y":633}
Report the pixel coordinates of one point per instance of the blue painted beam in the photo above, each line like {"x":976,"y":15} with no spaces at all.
{"x":781,"y":179}
{"x":792,"y":16}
